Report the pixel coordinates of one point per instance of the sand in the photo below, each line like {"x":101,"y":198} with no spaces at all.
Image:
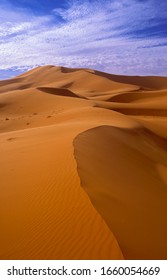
{"x":83,"y":165}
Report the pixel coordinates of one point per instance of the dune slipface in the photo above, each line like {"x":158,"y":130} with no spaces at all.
{"x":83,"y":165}
{"x":118,"y":170}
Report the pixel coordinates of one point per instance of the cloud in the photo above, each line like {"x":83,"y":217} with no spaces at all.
{"x":112,"y":36}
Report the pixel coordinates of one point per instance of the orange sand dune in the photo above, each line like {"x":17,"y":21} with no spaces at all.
{"x":83,"y":165}
{"x":119,"y":169}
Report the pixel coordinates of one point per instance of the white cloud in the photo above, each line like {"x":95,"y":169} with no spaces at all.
{"x":91,"y":34}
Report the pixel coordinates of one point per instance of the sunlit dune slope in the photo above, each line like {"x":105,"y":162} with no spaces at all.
{"x":83,"y":165}
{"x":45,"y":214}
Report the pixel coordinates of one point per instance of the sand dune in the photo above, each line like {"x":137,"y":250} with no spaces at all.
{"x":83,"y":165}
{"x":132,"y":199}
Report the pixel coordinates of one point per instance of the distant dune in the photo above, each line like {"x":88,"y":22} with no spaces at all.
{"x":83,"y":166}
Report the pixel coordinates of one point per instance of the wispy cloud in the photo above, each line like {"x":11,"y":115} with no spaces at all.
{"x":114,"y":36}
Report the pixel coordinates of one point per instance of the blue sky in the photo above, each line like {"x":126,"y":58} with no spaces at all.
{"x":117,"y":36}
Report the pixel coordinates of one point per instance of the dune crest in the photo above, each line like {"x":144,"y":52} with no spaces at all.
{"x":83,"y":159}
{"x":118,"y":170}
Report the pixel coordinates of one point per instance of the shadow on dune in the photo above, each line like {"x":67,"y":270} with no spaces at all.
{"x":142,"y":112}
{"x":69,"y":70}
{"x":118,"y":170}
{"x":149,"y":82}
{"x":132,"y":111}
{"x":135,"y":96}
{"x":25,"y":86}
{"x":59,"y":92}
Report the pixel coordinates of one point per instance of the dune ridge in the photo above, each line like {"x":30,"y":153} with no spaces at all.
{"x":66,"y":136}
{"x":133,"y":207}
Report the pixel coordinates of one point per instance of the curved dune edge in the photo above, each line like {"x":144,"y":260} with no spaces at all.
{"x":44,"y":212}
{"x":118,"y":170}
{"x":59,"y":92}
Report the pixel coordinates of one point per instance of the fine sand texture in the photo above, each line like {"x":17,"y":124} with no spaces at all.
{"x":83,"y":165}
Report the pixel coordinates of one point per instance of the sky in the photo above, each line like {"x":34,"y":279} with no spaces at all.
{"x":126,"y":37}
